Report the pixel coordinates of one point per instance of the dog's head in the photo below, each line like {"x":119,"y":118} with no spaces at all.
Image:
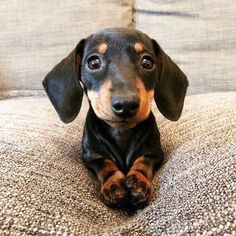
{"x":122,"y":71}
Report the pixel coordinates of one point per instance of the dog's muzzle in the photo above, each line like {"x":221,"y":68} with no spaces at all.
{"x":125,"y":106}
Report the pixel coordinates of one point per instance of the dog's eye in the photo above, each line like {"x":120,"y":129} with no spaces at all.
{"x":94,"y":63}
{"x":147,"y":63}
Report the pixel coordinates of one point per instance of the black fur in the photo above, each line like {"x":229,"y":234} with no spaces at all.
{"x":100,"y":141}
{"x":120,"y":64}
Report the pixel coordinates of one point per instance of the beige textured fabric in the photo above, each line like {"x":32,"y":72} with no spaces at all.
{"x":199,"y":35}
{"x":35,"y":35}
{"x":45,"y":188}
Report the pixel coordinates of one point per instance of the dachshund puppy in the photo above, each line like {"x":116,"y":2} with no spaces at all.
{"x":121,"y":71}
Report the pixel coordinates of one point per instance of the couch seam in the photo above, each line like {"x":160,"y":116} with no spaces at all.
{"x":133,"y":14}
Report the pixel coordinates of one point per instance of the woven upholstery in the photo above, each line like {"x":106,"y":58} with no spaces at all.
{"x":45,"y":188}
{"x":198,"y":35}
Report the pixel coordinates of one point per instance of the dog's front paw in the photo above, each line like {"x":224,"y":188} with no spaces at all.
{"x":138,"y":189}
{"x":113,"y":191}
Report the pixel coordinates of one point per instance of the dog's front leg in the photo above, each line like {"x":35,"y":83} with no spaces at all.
{"x":139,"y":180}
{"x":112,"y":181}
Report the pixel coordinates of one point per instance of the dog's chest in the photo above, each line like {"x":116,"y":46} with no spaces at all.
{"x":121,"y":140}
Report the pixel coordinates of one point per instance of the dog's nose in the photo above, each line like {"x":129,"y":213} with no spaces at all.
{"x":125,"y":107}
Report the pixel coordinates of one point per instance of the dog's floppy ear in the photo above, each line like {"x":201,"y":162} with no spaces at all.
{"x":63,"y":87}
{"x":171,"y":86}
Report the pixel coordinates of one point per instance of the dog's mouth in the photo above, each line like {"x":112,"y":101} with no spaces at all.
{"x":121,"y":124}
{"x":123,"y":121}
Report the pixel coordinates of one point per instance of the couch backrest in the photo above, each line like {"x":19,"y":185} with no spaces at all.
{"x":35,"y":35}
{"x":199,"y":35}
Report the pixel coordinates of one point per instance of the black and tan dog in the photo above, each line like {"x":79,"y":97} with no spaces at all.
{"x":122,"y":71}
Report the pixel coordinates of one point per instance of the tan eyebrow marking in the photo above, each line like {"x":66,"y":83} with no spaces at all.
{"x":102,"y":48}
{"x":138,"y":47}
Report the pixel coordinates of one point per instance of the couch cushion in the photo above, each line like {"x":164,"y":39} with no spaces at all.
{"x":45,"y":188}
{"x":199,"y":35}
{"x":37,"y":35}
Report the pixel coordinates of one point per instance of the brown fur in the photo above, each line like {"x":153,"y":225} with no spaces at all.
{"x":138,"y":47}
{"x":146,"y":98}
{"x":140,"y":166}
{"x":101,"y":103}
{"x":102,"y":48}
{"x":108,"y":167}
{"x":139,"y":180}
{"x":111,"y":188}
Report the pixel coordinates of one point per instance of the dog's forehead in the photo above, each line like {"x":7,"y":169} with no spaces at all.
{"x":118,"y":38}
